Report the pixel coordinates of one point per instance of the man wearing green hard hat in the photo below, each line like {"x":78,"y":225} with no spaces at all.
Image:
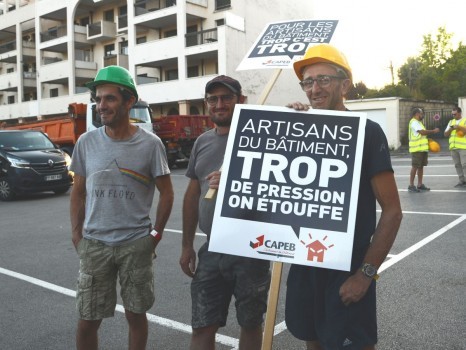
{"x":117,"y":168}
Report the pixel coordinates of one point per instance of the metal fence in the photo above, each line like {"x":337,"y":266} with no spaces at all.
{"x":437,"y":118}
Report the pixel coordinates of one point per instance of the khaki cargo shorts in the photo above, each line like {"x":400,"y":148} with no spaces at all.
{"x":419,"y":159}
{"x":100,"y":265}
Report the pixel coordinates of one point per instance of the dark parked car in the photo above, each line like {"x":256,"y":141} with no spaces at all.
{"x":30,"y":162}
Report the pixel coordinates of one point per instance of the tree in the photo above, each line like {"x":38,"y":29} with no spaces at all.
{"x":436,"y":52}
{"x":454,"y":74}
{"x":438,"y":73}
{"x":398,"y":90}
{"x":408,"y":74}
{"x":357,"y":91}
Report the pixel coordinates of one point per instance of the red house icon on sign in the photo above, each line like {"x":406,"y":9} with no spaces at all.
{"x":316,"y":250}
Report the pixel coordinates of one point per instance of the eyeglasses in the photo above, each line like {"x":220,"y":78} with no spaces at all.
{"x":321,"y":80}
{"x":213,"y":100}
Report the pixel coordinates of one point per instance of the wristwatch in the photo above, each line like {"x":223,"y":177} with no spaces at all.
{"x":369,"y":271}
{"x":157,"y":236}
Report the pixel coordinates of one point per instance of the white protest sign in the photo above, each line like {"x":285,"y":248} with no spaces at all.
{"x":289,"y":186}
{"x":282,"y":43}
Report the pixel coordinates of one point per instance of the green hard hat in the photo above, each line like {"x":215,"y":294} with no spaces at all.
{"x":114,"y":75}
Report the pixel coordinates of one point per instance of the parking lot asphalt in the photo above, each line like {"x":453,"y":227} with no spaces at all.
{"x":420,"y":292}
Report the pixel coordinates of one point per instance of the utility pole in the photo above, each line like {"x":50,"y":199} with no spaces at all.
{"x":391,"y":72}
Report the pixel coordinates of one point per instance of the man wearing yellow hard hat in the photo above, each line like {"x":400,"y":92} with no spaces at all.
{"x":332,"y":309}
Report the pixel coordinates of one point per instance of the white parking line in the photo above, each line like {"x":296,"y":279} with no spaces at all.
{"x":428,"y":166}
{"x":420,"y":244}
{"x":434,"y":175}
{"x":279,"y":328}
{"x":222,"y":339}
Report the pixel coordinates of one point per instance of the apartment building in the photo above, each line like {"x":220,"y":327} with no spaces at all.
{"x":50,"y":48}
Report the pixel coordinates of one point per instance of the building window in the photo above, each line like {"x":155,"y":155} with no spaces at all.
{"x":222,"y":4}
{"x":124,"y":48}
{"x":123,"y":10}
{"x":11,"y":100}
{"x":193,"y":71}
{"x":10,"y":70}
{"x":110,"y":50}
{"x":173,"y":111}
{"x":109,"y":15}
{"x":140,"y":4}
{"x":54,"y":92}
{"x":170,"y":3}
{"x":193,"y":110}
{"x":169,"y":33}
{"x":171,"y":74}
{"x":141,"y":40}
{"x":84,"y":21}
{"x":220,"y":22}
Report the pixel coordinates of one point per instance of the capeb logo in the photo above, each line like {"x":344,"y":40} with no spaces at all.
{"x":274,"y":248}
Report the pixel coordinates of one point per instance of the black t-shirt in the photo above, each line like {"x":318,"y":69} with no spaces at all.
{"x":376,"y":159}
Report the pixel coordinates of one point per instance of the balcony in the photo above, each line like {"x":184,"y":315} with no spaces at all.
{"x":55,"y":73}
{"x":29,"y":51}
{"x":101,"y":31}
{"x":85,"y":71}
{"x":155,"y":18}
{"x":154,"y":51}
{"x":7,"y":47}
{"x":201,"y":37}
{"x":80,"y":37}
{"x":143,"y":7}
{"x":9,"y":82}
{"x":8,"y":52}
{"x":30,"y":79}
{"x":53,"y":33}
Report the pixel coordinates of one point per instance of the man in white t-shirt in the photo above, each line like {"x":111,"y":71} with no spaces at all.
{"x":419,"y":149}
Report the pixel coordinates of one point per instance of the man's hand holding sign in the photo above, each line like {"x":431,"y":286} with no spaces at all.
{"x":300,"y":187}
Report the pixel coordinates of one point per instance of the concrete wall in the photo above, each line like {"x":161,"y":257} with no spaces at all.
{"x":462,"y":104}
{"x":384,"y":111}
{"x":394,"y":113}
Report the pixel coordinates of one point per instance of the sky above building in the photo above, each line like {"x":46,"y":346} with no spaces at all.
{"x":377,"y":34}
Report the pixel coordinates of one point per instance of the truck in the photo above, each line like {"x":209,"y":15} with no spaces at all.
{"x":64,"y":130}
{"x":177,"y":132}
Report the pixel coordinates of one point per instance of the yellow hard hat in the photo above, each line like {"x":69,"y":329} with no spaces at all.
{"x":322,"y":53}
{"x":434,"y":146}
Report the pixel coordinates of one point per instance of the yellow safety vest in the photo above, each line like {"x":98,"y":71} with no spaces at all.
{"x":455,"y":141}
{"x":417,"y":143}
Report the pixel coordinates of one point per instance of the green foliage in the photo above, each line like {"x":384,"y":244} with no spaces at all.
{"x":435,"y":52}
{"x":398,"y":90}
{"x":357,"y":91}
{"x":438,"y":73}
{"x":408,"y":74}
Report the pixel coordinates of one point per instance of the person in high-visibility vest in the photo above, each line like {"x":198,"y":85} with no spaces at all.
{"x":455,"y":131}
{"x":419,"y":149}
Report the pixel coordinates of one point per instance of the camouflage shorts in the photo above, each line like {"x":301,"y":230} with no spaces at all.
{"x":100,"y":265}
{"x":220,"y":276}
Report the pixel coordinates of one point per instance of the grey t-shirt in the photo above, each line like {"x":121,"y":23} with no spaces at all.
{"x":206,"y":156}
{"x":120,"y":183}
